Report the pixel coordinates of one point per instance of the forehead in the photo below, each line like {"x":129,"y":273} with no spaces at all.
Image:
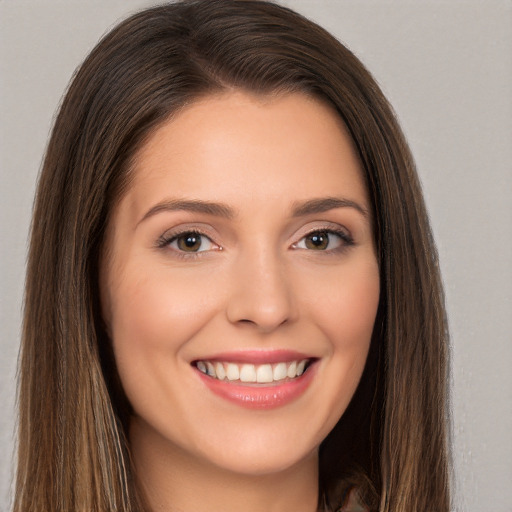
{"x":238,"y":147}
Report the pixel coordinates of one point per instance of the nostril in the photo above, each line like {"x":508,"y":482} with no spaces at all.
{"x":254,"y":304}
{"x":264,"y":327}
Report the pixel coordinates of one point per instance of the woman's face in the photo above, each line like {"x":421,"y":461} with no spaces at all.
{"x":242,"y":252}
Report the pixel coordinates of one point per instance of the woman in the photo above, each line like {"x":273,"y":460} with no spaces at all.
{"x":232,"y":289}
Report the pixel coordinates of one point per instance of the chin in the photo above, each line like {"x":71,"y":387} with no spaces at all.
{"x":262,"y":462}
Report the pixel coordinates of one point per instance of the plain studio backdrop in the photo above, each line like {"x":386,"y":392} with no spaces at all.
{"x":446,"y":67}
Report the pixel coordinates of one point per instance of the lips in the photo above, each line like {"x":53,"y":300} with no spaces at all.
{"x":260,"y":380}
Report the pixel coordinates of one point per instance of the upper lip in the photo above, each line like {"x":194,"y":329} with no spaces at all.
{"x":256,"y":356}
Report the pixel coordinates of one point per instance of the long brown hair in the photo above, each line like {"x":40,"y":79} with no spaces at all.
{"x":73,"y":452}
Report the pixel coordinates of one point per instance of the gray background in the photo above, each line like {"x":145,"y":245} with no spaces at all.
{"x":446,"y":66}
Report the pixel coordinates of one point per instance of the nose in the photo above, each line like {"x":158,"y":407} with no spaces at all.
{"x":261,"y":294}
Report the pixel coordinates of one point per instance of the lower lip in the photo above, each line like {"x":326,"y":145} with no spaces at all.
{"x":260,"y":396}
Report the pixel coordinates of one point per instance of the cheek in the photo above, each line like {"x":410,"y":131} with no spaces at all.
{"x":153,"y":315}
{"x":344,"y":310}
{"x":154,"y":301}
{"x":346,"y":315}
{"x":347,"y":308}
{"x":155,"y":312}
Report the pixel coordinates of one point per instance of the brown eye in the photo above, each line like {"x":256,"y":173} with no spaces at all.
{"x":324,"y":240}
{"x":318,"y":241}
{"x":190,"y":242}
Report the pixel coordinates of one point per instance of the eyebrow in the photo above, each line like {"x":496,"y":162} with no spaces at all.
{"x":310,"y":207}
{"x":325,"y":204}
{"x":191,"y":205}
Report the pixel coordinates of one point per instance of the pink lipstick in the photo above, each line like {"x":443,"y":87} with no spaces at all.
{"x":257,"y":379}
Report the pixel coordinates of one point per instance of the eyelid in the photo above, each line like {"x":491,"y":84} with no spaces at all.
{"x":171,"y":235}
{"x":341,"y":232}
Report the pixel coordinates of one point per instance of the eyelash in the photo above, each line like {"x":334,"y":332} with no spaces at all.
{"x":346,"y":241}
{"x":166,"y":240}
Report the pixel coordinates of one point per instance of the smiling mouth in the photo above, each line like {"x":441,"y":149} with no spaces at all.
{"x":253,"y":373}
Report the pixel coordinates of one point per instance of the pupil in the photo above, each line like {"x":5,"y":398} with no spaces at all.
{"x":189,"y":242}
{"x":318,"y":241}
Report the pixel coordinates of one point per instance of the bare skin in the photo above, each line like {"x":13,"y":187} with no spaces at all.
{"x":244,"y":241}
{"x":177,"y":483}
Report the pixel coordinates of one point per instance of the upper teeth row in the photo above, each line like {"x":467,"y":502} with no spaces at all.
{"x":263,"y":373}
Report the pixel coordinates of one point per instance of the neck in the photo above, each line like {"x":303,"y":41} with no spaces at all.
{"x":175,"y":481}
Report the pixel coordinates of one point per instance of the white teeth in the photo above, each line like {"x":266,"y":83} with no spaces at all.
{"x":210,"y":369}
{"x":263,"y":373}
{"x":292,"y":370}
{"x":219,"y":370}
{"x":233,"y":372}
{"x":280,"y":371}
{"x":248,"y":373}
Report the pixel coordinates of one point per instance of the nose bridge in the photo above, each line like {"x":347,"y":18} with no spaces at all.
{"x":261,"y":290}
